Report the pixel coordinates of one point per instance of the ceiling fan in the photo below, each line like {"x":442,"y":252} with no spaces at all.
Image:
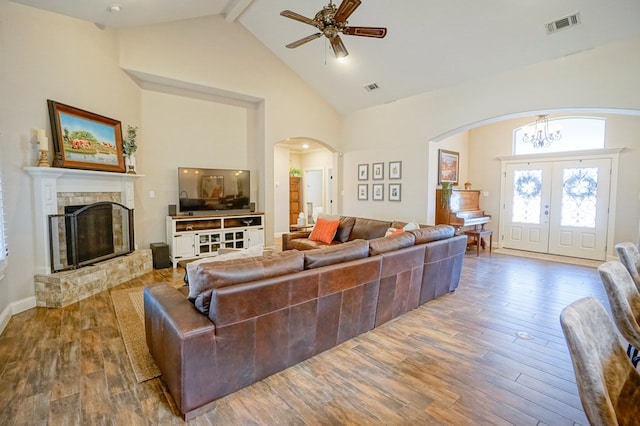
{"x":332,"y":21}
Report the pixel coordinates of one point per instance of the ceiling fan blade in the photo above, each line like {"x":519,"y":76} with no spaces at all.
{"x":338,"y":47}
{"x":298,"y":17}
{"x":346,"y":9}
{"x":376,"y":32}
{"x":304,"y":40}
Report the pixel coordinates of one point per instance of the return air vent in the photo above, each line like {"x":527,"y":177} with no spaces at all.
{"x":563,"y":23}
{"x":371,"y":87}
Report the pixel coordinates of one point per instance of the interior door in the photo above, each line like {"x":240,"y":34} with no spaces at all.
{"x":313,"y":193}
{"x":527,"y":206}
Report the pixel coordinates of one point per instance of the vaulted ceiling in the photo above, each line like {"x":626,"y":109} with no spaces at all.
{"x":429,"y":45}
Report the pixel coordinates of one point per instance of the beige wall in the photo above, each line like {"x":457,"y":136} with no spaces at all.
{"x":47,"y":56}
{"x":621,"y":132}
{"x":141,"y":77}
{"x":605,"y":77}
{"x":224,"y":58}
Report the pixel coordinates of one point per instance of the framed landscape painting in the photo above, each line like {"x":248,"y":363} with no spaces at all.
{"x":448,"y":166}
{"x":84,"y":140}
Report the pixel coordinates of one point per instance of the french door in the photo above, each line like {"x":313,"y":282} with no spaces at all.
{"x":558,"y":207}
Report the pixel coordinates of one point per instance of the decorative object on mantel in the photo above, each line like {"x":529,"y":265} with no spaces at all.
{"x":43,"y":148}
{"x":467,"y":185}
{"x":129,"y":147}
{"x":84,"y":140}
{"x":541,"y":137}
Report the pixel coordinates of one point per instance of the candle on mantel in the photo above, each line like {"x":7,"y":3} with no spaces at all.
{"x":44,"y":143}
{"x":41,"y":134}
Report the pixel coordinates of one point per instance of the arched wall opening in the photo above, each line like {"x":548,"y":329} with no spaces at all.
{"x":302,"y":155}
{"x":482,"y":144}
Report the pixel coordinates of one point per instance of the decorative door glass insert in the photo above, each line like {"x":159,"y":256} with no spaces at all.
{"x":527,"y":196}
{"x":579,"y":197}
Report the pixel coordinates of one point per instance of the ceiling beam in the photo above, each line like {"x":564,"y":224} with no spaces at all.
{"x":235,"y":8}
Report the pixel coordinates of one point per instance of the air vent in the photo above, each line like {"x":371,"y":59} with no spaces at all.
{"x":371,"y":87}
{"x":563,"y":23}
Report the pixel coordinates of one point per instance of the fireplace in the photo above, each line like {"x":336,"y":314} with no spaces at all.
{"x":87,"y":234}
{"x":54,"y":189}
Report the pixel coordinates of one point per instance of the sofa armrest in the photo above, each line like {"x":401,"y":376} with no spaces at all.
{"x":182,"y":342}
{"x":291,"y":236}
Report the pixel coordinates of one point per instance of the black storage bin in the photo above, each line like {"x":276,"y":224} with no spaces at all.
{"x":160,"y":254}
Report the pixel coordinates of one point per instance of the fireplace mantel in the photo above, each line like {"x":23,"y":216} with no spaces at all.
{"x":49,"y":181}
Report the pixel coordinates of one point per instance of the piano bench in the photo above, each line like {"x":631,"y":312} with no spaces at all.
{"x":478,"y":235}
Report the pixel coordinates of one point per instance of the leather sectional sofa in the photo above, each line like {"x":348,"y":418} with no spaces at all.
{"x":246,"y":319}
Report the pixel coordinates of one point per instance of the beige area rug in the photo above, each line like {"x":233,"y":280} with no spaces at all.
{"x":129,"y":307}
{"x":550,"y":257}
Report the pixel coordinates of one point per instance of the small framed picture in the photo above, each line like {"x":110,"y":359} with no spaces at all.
{"x":448,"y":166}
{"x":395,"y":169}
{"x":363,"y":191}
{"x":363,"y":172}
{"x":395,"y":192}
{"x":378,"y":192}
{"x":378,"y":171}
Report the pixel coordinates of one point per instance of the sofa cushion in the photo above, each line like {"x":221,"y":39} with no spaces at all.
{"x":433,"y":233}
{"x":324,"y":230}
{"x":390,"y":243}
{"x":344,"y":229}
{"x":209,"y":276}
{"x":307,"y":244}
{"x":368,"y":229}
{"x":339,"y":253}
{"x":191,"y":266}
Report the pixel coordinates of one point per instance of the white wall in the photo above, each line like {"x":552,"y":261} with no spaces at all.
{"x":47,"y":56}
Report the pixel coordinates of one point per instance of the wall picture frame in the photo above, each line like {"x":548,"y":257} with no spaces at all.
{"x":395,"y":169}
{"x":363,"y":172}
{"x":363,"y":191}
{"x":377,"y":192}
{"x":395,"y":192}
{"x":85,"y":140}
{"x":448,"y":166}
{"x":377,"y":171}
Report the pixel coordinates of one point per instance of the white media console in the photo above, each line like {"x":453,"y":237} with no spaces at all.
{"x":192,"y":237}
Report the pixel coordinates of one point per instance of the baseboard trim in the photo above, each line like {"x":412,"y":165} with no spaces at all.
{"x":15,"y":308}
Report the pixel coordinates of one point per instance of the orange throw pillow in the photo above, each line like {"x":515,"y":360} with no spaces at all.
{"x":324,"y":230}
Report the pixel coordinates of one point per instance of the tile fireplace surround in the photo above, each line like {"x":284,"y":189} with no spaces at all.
{"x":53,"y":189}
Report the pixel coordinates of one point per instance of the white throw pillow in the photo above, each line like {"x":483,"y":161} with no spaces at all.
{"x":411,"y":226}
{"x":254,"y":251}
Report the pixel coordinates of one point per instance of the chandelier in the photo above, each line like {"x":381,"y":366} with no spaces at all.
{"x":541,"y":136}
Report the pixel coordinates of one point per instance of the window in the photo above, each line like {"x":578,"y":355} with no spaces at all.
{"x":3,"y":235}
{"x":578,"y":134}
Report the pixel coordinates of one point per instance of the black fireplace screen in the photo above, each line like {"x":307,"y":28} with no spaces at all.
{"x":85,"y":235}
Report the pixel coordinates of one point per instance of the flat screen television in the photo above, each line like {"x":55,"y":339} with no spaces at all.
{"x":207,"y":191}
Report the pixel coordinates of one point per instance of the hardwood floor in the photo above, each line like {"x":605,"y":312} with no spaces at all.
{"x":457,"y":360}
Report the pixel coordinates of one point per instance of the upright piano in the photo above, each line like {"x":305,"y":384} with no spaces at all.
{"x":462,"y":211}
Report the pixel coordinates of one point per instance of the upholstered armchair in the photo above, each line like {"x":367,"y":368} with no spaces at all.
{"x":630,"y":257}
{"x":624,"y":300}
{"x":608,"y":384}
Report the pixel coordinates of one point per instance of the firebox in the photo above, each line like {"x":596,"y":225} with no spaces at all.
{"x":85,"y":235}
